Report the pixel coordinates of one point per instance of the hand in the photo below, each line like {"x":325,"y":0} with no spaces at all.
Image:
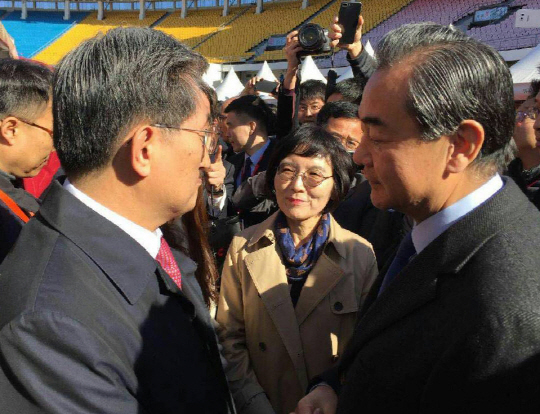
{"x":322,"y":400}
{"x":336,"y":32}
{"x":291,"y":49}
{"x":250,"y":89}
{"x":12,"y":50}
{"x":215,"y":174}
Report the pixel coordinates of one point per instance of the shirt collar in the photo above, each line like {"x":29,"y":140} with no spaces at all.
{"x":149,"y":240}
{"x":255,"y":158}
{"x":428,"y":230}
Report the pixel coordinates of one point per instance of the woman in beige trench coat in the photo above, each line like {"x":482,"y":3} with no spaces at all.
{"x":291,"y":286}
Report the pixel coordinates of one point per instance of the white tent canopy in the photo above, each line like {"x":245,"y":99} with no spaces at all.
{"x":230,"y":87}
{"x":266,"y":73}
{"x":349,"y":73}
{"x":213,"y":75}
{"x":310,"y":71}
{"x":524,"y":72}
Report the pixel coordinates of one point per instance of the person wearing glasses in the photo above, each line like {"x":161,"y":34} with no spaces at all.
{"x":525,"y":168}
{"x":292,"y":285}
{"x":99,"y":314}
{"x":26,"y":141}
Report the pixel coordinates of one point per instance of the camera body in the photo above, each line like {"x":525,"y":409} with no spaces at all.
{"x":313,"y":39}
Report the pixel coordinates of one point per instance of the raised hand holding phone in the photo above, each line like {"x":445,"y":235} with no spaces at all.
{"x":336,"y":33}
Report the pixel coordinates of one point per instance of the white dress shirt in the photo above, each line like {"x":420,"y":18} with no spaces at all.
{"x":431,"y":228}
{"x":149,"y":240}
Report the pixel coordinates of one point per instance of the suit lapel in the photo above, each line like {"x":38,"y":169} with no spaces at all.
{"x":413,"y":287}
{"x":320,"y":281}
{"x":416,"y":285}
{"x":274,"y":291}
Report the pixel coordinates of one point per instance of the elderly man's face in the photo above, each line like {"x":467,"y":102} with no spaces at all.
{"x":405,"y":172}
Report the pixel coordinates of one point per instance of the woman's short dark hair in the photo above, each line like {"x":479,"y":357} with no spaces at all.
{"x":309,"y":141}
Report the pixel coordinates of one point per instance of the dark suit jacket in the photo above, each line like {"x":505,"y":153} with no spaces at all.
{"x":261,"y":209}
{"x":91,"y":324}
{"x":10,"y":224}
{"x":458,"y":330}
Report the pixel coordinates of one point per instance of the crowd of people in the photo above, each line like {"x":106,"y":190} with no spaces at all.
{"x":369,"y":245}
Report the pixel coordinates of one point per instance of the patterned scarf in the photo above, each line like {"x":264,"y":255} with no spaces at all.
{"x":300,"y":261}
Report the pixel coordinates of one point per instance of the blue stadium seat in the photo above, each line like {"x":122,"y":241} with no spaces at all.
{"x":38,"y":30}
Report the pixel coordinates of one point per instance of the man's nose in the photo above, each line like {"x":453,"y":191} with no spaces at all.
{"x":537,"y":123}
{"x":361,"y":154}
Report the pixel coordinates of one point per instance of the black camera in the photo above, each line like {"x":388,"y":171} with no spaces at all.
{"x":313,"y":39}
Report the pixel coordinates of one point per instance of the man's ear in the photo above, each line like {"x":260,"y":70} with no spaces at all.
{"x":252,"y":127}
{"x":143,"y":150}
{"x":9,"y":130}
{"x":465,"y":146}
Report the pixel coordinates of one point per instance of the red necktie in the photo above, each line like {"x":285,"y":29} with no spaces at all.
{"x":166,"y":259}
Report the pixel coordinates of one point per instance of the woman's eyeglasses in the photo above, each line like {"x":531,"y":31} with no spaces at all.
{"x":310,"y":179}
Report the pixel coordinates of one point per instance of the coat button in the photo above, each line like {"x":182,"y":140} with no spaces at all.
{"x":338,"y":306}
{"x":262,"y":346}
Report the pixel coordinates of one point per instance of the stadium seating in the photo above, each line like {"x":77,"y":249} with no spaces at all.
{"x":196,"y":26}
{"x":504,"y":35}
{"x":89,"y":27}
{"x":438,"y":11}
{"x":234,"y":41}
{"x":374,"y":12}
{"x":49,"y":25}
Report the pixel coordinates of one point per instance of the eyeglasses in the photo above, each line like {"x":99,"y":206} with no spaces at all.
{"x":310,"y":179}
{"x":531,"y":114}
{"x":210,"y":139}
{"x":47,"y":130}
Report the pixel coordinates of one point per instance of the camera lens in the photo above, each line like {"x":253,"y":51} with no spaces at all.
{"x":311,"y":37}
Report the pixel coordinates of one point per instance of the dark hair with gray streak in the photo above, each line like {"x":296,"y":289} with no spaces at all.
{"x":454,"y":78}
{"x":113,"y":82}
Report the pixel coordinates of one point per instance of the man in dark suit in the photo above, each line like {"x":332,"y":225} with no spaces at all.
{"x":94,"y":319}
{"x":249,"y":125}
{"x":453,"y":326}
{"x":25,"y":141}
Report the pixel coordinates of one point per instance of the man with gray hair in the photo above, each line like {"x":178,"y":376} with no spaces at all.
{"x":95,"y":317}
{"x":453,"y":324}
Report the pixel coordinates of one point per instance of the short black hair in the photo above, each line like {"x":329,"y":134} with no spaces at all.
{"x":454,"y":78}
{"x":310,"y":140}
{"x":535,"y":88}
{"x":256,"y":109}
{"x":351,"y":89}
{"x":337,"y":109}
{"x":312,"y":89}
{"x":113,"y":82}
{"x":25,"y":88}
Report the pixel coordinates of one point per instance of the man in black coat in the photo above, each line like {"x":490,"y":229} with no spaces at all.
{"x":94,"y":318}
{"x":250,"y":124}
{"x":453,"y":326}
{"x":25,"y":141}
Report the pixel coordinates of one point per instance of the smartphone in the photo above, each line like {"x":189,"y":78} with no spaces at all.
{"x":349,"y":12}
{"x":266,"y":86}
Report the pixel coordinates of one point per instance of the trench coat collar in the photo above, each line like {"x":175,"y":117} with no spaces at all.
{"x":266,"y":229}
{"x":273,"y":287}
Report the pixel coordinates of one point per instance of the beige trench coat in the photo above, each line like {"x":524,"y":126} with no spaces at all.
{"x":272,"y":348}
